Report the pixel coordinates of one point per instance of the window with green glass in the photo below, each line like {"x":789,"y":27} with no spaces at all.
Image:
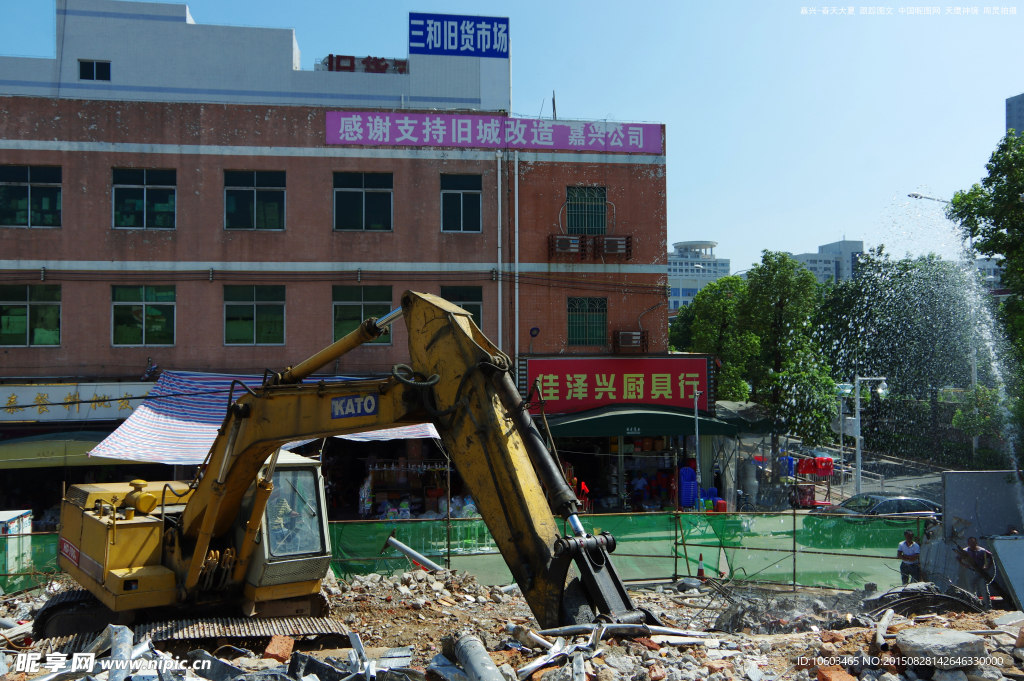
{"x":469,"y":298}
{"x":30,"y":315}
{"x":144,"y":198}
{"x":254,"y":199}
{"x":253,"y":315}
{"x":586,"y":210}
{"x":30,"y":196}
{"x":460,"y":203}
{"x":353,"y":304}
{"x":363,"y":201}
{"x":588,"y":321}
{"x":143,"y":315}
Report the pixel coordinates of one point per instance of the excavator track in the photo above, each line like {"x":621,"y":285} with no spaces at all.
{"x":198,"y":628}
{"x":70,"y":612}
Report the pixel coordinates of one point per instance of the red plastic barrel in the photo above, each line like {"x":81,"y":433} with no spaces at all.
{"x":721,"y":506}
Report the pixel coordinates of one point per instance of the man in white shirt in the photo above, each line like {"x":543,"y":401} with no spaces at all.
{"x":909,"y":552}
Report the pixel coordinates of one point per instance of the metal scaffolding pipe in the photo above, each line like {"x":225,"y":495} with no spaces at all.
{"x":410,"y":553}
{"x":475,"y":660}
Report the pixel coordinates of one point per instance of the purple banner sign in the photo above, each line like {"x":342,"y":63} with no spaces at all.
{"x":443,"y":130}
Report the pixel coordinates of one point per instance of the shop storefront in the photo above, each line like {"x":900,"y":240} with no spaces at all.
{"x":623,"y":427}
{"x":54,"y":426}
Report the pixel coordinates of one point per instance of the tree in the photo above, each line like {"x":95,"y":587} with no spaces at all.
{"x":716,"y":328}
{"x":909,"y":320}
{"x":992,"y":213}
{"x":789,"y":376}
{"x":981,"y":414}
{"x":680,"y":336}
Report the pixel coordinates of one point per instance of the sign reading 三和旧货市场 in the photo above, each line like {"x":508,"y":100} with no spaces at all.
{"x":400,"y":129}
{"x":576,"y":384}
{"x":458,"y":35}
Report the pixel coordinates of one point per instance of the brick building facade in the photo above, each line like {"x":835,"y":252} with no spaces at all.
{"x":198,"y":252}
{"x":215,"y":225}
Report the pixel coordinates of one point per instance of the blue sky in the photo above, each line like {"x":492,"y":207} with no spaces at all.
{"x":785,"y":130}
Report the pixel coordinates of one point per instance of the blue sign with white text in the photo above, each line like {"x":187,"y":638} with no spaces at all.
{"x":454,"y":34}
{"x":353,"y":405}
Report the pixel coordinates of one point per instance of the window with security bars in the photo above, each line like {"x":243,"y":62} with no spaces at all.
{"x":30,"y":196}
{"x":143,"y":315}
{"x":144,"y":198}
{"x":353,"y":304}
{"x":254,"y":199}
{"x":586,"y":210}
{"x":253,"y":315}
{"x":30,"y":315}
{"x":588,"y":321}
{"x":469,"y":298}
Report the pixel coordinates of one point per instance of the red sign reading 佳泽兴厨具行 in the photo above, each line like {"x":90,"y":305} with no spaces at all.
{"x":576,"y":384}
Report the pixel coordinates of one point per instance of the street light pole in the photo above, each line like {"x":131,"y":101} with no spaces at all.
{"x":881,"y":394}
{"x":696,"y":438}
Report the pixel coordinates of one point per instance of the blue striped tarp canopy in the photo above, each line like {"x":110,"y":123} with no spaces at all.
{"x":180,"y":425}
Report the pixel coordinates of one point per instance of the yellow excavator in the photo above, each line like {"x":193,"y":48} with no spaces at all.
{"x":249,"y":533}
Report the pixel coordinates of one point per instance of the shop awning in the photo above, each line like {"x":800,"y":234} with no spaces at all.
{"x":631,"y":420}
{"x":53,"y":450}
{"x":419,"y":431}
{"x":749,"y":417}
{"x":180,"y":425}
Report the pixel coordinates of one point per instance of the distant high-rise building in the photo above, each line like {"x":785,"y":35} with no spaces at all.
{"x":833,"y":262}
{"x":691,"y":266}
{"x":1015,"y":113}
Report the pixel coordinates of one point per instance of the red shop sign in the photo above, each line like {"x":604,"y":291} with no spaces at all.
{"x":576,"y":384}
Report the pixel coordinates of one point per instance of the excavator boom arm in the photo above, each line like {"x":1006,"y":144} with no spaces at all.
{"x":462,"y":383}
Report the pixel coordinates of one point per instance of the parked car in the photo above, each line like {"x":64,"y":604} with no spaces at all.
{"x":884,"y":503}
{"x":874,"y":520}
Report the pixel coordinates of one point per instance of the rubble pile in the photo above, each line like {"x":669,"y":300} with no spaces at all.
{"x":446,"y":626}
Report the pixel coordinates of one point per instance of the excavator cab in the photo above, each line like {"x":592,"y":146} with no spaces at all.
{"x":293,"y":546}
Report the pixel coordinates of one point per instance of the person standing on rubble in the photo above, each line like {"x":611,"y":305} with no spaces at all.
{"x":975,"y":562}
{"x":909,"y":552}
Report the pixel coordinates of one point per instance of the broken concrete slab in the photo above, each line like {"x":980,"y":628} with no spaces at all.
{"x":1005,"y":620}
{"x":941,"y":645}
{"x":218,"y":670}
{"x":949,"y":675}
{"x":983,"y":672}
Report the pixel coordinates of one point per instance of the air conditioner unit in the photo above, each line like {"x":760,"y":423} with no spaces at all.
{"x":616,"y":245}
{"x":567,"y":244}
{"x":630,"y":339}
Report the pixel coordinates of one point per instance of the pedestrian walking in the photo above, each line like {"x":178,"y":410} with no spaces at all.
{"x":909,"y":552}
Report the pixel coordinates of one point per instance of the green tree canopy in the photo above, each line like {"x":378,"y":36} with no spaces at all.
{"x":716,"y":328}
{"x":910,"y":320}
{"x":992,"y":212}
{"x":790,"y":376}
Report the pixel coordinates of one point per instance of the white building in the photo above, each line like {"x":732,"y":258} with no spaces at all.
{"x":991,"y":271}
{"x":692,"y":266}
{"x":833,"y":262}
{"x":171,"y":58}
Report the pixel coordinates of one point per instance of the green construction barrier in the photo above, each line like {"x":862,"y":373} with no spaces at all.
{"x":26,"y":560}
{"x":840,"y":552}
